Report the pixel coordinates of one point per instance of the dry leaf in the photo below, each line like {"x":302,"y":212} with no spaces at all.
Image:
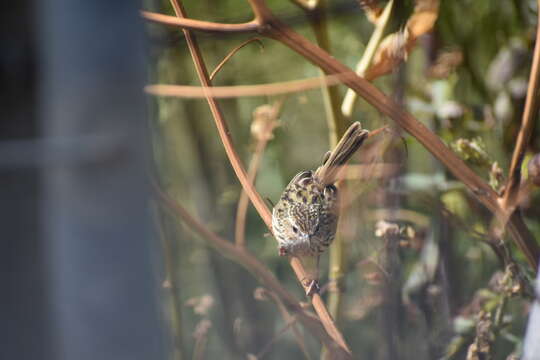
{"x":395,"y":47}
{"x":423,"y":18}
{"x":391,"y":51}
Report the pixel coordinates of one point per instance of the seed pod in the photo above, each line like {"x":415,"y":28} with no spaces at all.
{"x":534,"y":169}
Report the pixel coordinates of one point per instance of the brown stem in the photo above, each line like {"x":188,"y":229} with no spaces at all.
{"x":262,"y":127}
{"x":256,"y":199}
{"x":291,"y":322}
{"x":244,"y":90}
{"x":199,"y":24}
{"x":527,"y":123}
{"x":231,"y":54}
{"x":243,"y":202}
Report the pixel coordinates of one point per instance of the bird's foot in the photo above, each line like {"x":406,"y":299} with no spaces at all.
{"x":312,"y":287}
{"x":282,"y":251}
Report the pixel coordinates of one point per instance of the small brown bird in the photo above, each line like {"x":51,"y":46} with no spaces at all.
{"x":305,"y":218}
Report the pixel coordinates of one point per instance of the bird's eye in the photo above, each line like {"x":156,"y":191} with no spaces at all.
{"x":295,"y":229}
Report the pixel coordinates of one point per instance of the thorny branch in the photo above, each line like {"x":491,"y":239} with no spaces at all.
{"x":231,"y":54}
{"x":278,"y":88}
{"x":268,"y":25}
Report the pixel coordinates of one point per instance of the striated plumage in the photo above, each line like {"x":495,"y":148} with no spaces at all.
{"x":304,"y":220}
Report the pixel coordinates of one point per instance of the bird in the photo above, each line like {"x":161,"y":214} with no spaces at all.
{"x":304,"y":220}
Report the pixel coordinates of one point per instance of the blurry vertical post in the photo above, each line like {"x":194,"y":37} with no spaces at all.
{"x":95,"y":212}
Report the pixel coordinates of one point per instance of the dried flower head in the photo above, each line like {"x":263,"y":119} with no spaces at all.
{"x":264,"y":122}
{"x":372,"y":8}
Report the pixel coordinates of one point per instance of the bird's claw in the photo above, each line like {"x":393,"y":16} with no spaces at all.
{"x":282,"y":251}
{"x":312,"y":288}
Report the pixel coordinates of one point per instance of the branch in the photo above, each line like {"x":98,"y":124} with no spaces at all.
{"x":527,"y":123}
{"x":245,"y":90}
{"x":349,"y":101}
{"x":262,"y":127}
{"x":201,"y":25}
{"x":231,"y":54}
{"x":256,"y":199}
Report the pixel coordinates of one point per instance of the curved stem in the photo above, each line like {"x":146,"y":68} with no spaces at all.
{"x":231,"y":54}
{"x":243,"y":202}
{"x":201,"y":25}
{"x":278,"y":88}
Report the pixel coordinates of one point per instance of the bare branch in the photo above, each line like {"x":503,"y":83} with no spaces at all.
{"x":527,"y":123}
{"x":231,"y":54}
{"x":245,"y":90}
{"x":262,"y":127}
{"x":201,"y":25}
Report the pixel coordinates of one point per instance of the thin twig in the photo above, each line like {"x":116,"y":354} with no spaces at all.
{"x":347,"y":106}
{"x":278,"y":88}
{"x":264,"y":135}
{"x":171,"y":280}
{"x":316,"y":14}
{"x":192,"y":24}
{"x":243,"y":201}
{"x":256,"y":199}
{"x":200,"y":343}
{"x":525,"y":132}
{"x":231,"y":54}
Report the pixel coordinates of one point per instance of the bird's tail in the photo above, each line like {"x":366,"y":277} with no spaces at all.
{"x":334,"y":160}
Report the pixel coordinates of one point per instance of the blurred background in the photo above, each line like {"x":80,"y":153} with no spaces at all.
{"x":103,"y":187}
